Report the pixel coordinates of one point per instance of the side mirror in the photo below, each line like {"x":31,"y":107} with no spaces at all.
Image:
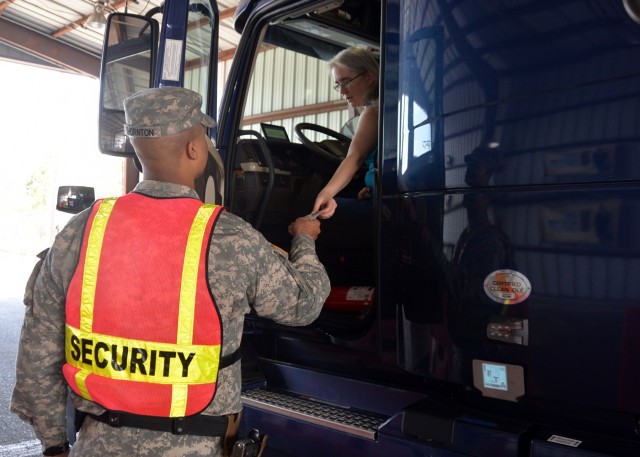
{"x":74,"y":199}
{"x":128,"y":60}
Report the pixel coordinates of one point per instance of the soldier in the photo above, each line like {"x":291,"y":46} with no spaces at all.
{"x":139,"y":304}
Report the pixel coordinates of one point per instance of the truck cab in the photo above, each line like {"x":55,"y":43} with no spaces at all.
{"x":493,"y":307}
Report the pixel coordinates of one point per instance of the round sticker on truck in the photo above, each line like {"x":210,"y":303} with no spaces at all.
{"x":508,"y":287}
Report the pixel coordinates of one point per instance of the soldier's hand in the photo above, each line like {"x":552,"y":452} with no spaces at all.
{"x":305,"y":226}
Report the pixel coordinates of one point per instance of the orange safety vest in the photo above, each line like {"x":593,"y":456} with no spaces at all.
{"x":143,"y":333}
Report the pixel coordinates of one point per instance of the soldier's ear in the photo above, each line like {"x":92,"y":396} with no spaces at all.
{"x":192,"y":149}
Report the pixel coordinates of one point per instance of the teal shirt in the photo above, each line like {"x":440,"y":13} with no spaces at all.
{"x":370,"y":161}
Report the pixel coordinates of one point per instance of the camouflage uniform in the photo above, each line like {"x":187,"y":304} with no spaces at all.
{"x":245,"y":271}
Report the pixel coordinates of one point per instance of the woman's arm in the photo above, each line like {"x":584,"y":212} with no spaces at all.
{"x":363,"y":142}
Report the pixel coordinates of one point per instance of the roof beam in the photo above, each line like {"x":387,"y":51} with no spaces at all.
{"x":4,"y":5}
{"x":60,"y":54}
{"x":116,"y":5}
{"x":49,"y":49}
{"x":81,"y":22}
{"x":228,"y":13}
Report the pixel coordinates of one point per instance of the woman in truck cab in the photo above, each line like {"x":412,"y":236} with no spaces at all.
{"x":355,"y":72}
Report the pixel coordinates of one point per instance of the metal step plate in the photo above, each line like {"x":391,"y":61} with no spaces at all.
{"x":330,"y":415}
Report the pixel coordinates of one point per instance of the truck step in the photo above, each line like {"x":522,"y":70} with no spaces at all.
{"x":359,"y":423}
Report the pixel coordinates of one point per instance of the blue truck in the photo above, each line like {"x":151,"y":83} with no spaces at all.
{"x":496,"y":312}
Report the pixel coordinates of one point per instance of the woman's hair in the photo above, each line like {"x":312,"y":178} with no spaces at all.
{"x":360,"y":60}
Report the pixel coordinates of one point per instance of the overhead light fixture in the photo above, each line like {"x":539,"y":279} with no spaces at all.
{"x":96,"y":19}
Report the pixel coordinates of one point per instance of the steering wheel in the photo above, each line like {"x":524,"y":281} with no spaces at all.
{"x":330,"y":150}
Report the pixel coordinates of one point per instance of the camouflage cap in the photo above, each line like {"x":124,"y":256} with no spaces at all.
{"x":163,"y":111}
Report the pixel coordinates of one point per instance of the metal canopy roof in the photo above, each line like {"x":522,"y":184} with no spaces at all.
{"x":55,"y":32}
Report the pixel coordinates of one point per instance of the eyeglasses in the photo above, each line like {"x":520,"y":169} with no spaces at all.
{"x":344,"y":84}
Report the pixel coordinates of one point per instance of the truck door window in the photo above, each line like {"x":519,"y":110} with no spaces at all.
{"x":287,"y":88}
{"x":198,"y":48}
{"x":420,"y":78}
{"x":127,"y":65}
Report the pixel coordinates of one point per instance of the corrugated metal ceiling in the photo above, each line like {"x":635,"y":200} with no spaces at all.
{"x":56,"y":33}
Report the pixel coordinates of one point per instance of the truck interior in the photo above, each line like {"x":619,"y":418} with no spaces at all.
{"x":282,"y":160}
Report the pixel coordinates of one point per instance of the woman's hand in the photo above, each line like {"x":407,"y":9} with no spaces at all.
{"x":364,"y":194}
{"x":325,"y":205}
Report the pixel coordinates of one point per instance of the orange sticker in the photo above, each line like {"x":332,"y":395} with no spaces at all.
{"x":508,"y":287}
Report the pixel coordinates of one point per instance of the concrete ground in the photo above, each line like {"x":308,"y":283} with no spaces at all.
{"x":16,"y":437}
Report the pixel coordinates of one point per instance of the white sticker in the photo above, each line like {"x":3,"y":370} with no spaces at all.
{"x":494,"y":376}
{"x":564,"y":440}
{"x":363,"y":294}
{"x":172,"y":58}
{"x":507,"y":287}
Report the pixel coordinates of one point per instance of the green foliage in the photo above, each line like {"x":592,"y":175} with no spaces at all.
{"x":38,"y":186}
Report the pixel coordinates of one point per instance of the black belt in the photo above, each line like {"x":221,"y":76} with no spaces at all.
{"x":200,"y":425}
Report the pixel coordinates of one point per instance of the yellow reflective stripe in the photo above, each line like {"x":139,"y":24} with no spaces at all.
{"x":81,"y":377}
{"x":179,"y":393}
{"x":188,"y":287}
{"x":189,"y":283}
{"x":280,"y":250}
{"x":91,"y":262}
{"x":139,"y":360}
